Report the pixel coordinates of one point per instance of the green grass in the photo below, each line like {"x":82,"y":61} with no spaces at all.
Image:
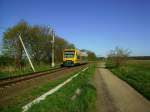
{"x":137,"y":74}
{"x":60,"y":100}
{"x":10,"y":71}
{"x":31,"y":94}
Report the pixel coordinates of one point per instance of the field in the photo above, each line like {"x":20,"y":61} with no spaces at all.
{"x":62,"y":99}
{"x":137,"y":74}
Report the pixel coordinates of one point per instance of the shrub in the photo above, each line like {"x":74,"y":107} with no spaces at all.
{"x":117,"y":57}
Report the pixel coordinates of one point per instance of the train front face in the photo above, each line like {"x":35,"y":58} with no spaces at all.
{"x":69,"y":57}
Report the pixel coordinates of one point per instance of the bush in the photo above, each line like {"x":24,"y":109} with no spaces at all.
{"x":4,"y":60}
{"x":117,"y":57}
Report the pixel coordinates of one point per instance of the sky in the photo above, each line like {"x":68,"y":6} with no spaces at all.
{"x":97,"y":25}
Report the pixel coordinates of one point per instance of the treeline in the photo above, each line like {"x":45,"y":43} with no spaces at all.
{"x":37,"y":40}
{"x":91,"y":55}
{"x":139,"y":57}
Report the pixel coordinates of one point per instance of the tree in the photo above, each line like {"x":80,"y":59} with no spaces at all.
{"x":37,"y":40}
{"x":117,"y":57}
{"x":60,"y":45}
{"x":91,"y":56}
{"x":12,"y":46}
{"x":39,"y":43}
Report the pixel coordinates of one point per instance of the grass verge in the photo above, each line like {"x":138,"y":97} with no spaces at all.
{"x":10,"y":71}
{"x":61,"y":100}
{"x":137,"y":74}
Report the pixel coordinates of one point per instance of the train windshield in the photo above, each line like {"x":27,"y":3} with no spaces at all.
{"x":69,"y":54}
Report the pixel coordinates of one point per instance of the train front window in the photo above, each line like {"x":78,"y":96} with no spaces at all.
{"x":68,"y":54}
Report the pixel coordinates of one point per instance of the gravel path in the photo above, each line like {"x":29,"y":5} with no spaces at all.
{"x":115,"y":95}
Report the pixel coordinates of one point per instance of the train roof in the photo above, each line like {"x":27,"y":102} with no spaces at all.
{"x":70,"y":49}
{"x":82,"y":53}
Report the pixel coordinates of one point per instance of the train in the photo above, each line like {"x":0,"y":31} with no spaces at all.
{"x":72,"y":57}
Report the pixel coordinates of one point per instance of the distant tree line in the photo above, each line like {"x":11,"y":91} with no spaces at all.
{"x":91,"y":55}
{"x":139,"y":57}
{"x":37,"y":40}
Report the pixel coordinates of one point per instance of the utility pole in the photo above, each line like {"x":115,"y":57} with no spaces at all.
{"x":53,"y":45}
{"x":53,"y":52}
{"x":26,"y":53}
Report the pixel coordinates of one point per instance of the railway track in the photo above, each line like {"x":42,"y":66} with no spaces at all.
{"x":11,"y":89}
{"x":16,"y":79}
{"x":19,"y":78}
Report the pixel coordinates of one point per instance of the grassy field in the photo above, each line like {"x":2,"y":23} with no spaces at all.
{"x":61,"y":100}
{"x":10,"y":71}
{"x":137,"y":74}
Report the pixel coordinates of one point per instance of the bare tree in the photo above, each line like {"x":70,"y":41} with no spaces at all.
{"x":117,"y":57}
{"x":12,"y":46}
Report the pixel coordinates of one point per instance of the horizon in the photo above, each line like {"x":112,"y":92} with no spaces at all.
{"x":95,"y":25}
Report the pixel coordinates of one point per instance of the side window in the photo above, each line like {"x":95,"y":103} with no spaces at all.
{"x":78,"y":57}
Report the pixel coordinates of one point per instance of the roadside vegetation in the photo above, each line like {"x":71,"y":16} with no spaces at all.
{"x":137,"y":74}
{"x":134,"y":72}
{"x":38,"y":41}
{"x":62,"y":99}
{"x":10,"y":71}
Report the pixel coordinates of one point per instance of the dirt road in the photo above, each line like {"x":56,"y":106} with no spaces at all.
{"x":115,"y":95}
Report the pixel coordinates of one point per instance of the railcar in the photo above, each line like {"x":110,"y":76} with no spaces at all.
{"x":72,"y":57}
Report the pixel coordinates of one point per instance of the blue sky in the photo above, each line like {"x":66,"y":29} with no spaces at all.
{"x":97,"y":25}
